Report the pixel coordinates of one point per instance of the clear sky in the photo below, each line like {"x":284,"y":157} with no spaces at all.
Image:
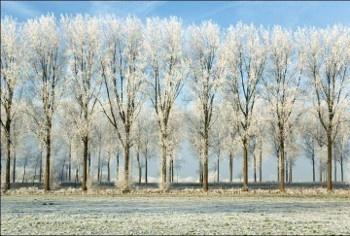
{"x":287,"y":14}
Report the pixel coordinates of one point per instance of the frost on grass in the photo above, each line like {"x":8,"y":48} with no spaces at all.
{"x":298,"y":192}
{"x":168,"y":215}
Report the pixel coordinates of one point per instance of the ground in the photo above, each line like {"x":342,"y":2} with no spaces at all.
{"x":171,"y":214}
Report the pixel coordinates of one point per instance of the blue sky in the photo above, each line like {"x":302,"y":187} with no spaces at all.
{"x":289,"y":14}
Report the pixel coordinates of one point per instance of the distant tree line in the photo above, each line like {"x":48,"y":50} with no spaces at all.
{"x":85,"y":89}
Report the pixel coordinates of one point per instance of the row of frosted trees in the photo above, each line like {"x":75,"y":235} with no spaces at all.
{"x":120,"y":66}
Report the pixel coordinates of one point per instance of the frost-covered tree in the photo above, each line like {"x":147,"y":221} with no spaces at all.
{"x":207,"y":72}
{"x":292,"y":149}
{"x":164,"y":50}
{"x":230,"y":141}
{"x":261,"y":125}
{"x":138,"y":148}
{"x":282,"y":88}
{"x":245,"y":56}
{"x":146,"y":140}
{"x":35,"y":126}
{"x":68,"y":123}
{"x":193,"y":135}
{"x":99,"y":132}
{"x":44,"y":50}
{"x":18,"y":135}
{"x":258,"y":141}
{"x":122,"y":70}
{"x":111,"y":147}
{"x":265,"y":76}
{"x":326,"y":63}
{"x":82,"y":34}
{"x":309,"y":142}
{"x":218,"y":137}
{"x":11,"y":74}
{"x":175,"y":140}
{"x":342,"y":149}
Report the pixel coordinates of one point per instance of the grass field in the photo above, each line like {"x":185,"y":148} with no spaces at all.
{"x":131,"y":214}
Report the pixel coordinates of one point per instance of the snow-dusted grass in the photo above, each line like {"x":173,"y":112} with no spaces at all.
{"x":186,"y":192}
{"x":91,"y":214}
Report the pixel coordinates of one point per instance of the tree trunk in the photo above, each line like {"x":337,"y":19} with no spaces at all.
{"x":169,"y":169}
{"x":62,"y":171}
{"x":101,"y":173}
{"x":329,"y":161}
{"x":99,"y":166}
{"x":41,"y":166}
{"x":85,"y":160}
{"x":254,"y":168}
{"x":67,"y":170}
{"x":341,"y":168}
{"x":24,"y":170}
{"x":313,"y":166}
{"x":290,"y":171}
{"x":1,"y":171}
{"x":278,"y":169}
{"x":139,"y":166}
{"x":320,"y":170}
{"x":172,"y":171}
{"x":146,"y":170}
{"x":163,"y":184}
{"x":335,"y":168}
{"x":245,"y":164}
{"x":218,"y":170}
{"x":200,"y":172}
{"x":89,"y":162}
{"x":14,"y":167}
{"x":260,"y":166}
{"x":48,"y":153}
{"x":108,"y":170}
{"x":117,"y":169}
{"x":76,"y":176}
{"x":70,"y":163}
{"x":287,"y":169}
{"x":36,"y":164}
{"x":282,"y":165}
{"x":8,"y":158}
{"x":231,"y":167}
{"x":205,"y":164}
{"x":126,"y":168}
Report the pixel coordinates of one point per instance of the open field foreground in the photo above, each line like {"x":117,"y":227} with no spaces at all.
{"x":78,"y":213}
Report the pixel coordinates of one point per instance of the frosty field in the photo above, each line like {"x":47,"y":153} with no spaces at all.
{"x":174,"y":215}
